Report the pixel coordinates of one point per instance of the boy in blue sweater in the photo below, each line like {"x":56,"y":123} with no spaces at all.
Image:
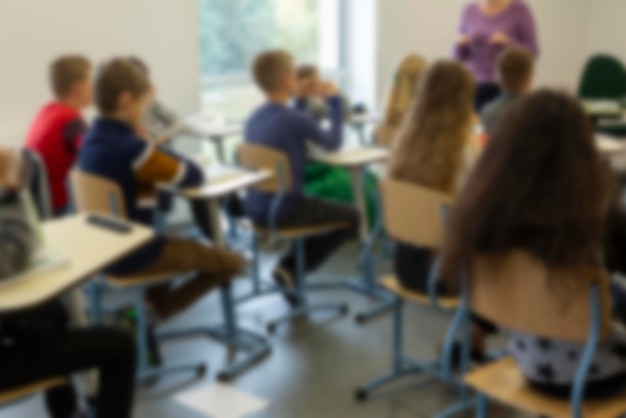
{"x":112,"y":149}
{"x":276,"y":125}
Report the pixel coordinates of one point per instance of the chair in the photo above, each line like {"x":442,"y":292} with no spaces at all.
{"x":97,"y":195}
{"x":264,"y":158}
{"x":15,"y":394}
{"x":415,"y":215}
{"x":604,"y":78}
{"x":502,"y":291}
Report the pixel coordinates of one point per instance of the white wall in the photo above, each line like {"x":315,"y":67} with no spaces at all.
{"x":607,"y":29}
{"x":164,"y":32}
{"x":33,"y":32}
{"x":429,"y":28}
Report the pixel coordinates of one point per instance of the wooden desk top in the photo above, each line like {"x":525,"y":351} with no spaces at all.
{"x":222,"y":181}
{"x":607,"y":108}
{"x":365,"y":119}
{"x":86,"y":250}
{"x":351,"y":158}
{"x":213,"y":128}
{"x":609,"y":145}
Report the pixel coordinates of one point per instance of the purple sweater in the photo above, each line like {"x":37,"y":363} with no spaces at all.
{"x":480,"y":56}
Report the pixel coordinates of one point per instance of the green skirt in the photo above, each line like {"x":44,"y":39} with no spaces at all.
{"x":335,"y":184}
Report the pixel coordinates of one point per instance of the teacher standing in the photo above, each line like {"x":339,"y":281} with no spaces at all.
{"x":487,"y":27}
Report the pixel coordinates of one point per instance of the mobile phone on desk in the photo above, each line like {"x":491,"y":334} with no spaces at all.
{"x":113,"y":225}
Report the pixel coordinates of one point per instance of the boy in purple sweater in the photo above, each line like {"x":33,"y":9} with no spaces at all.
{"x":276,"y":125}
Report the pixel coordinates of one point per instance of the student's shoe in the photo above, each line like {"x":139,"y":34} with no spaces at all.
{"x":128,"y":319}
{"x":285,"y":280}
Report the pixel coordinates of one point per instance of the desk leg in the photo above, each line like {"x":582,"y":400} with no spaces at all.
{"x":219,"y":147}
{"x":366,"y":284}
{"x":360,"y":131}
{"x":229,"y":333}
{"x":358,"y":191}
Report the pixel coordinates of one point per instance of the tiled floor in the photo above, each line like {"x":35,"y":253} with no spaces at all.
{"x":314,"y":367}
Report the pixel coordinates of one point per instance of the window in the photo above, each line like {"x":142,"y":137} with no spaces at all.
{"x":233,"y":32}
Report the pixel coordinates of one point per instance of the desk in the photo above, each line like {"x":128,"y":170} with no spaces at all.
{"x":603,"y":108}
{"x":87,"y":249}
{"x":360,"y":121}
{"x":256,"y":346}
{"x":610,"y":146}
{"x":355,"y":160}
{"x":216,"y":131}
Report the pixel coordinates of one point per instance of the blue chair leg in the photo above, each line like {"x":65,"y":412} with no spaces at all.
{"x":304,"y":307}
{"x":259,"y":289}
{"x":482,"y":408}
{"x":144,"y":370}
{"x":94,"y":292}
{"x":400,"y":368}
{"x":229,"y":333}
{"x":369,"y":287}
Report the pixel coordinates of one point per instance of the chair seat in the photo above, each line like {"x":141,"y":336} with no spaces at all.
{"x":392,"y":284}
{"x":503,"y":381}
{"x":24,"y":391}
{"x":134,"y":281}
{"x":305,"y":231}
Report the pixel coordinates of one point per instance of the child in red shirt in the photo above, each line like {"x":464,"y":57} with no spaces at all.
{"x":57,"y":130}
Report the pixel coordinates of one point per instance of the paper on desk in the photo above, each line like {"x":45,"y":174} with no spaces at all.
{"x":221,"y":172}
{"x":45,"y":261}
{"x":602,"y":106}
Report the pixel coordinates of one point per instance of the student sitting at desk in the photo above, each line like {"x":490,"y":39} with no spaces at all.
{"x":161,"y":125}
{"x":401,"y":97}
{"x":37,"y":344}
{"x":276,"y":125}
{"x":322,"y":180}
{"x":311,"y":94}
{"x":543,"y":188}
{"x":57,"y":130}
{"x":515,"y":73}
{"x":437,"y":149}
{"x":113,"y":150}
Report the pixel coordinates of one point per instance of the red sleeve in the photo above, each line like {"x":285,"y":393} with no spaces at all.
{"x":73,"y":134}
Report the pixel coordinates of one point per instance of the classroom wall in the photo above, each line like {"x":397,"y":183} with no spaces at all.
{"x":607,"y":32}
{"x":33,"y":32}
{"x":379,"y":34}
{"x":429,"y":27}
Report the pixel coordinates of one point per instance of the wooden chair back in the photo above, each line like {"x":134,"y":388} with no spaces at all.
{"x":97,"y":195}
{"x":259,"y":157}
{"x":518,"y":293}
{"x":414,"y":214}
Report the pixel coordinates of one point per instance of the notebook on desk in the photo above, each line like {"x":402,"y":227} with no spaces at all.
{"x":219,"y":173}
{"x":45,"y":259}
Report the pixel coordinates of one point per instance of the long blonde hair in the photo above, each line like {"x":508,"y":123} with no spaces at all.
{"x":430,"y":146}
{"x":401,"y":96}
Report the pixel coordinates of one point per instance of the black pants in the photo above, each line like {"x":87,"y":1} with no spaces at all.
{"x":485,"y":93}
{"x":412,"y":267}
{"x":200,"y":210}
{"x":599,"y":390}
{"x":43,"y":349}
{"x":316,"y":212}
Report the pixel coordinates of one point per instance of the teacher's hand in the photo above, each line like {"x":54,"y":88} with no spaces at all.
{"x":463,"y":40}
{"x":500,"y":38}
